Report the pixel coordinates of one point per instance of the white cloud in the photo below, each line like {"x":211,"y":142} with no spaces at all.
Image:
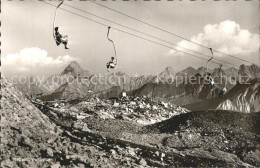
{"x":226,"y":37}
{"x":171,"y":52}
{"x":33,"y":59}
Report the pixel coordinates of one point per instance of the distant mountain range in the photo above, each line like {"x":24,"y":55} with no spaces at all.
{"x":76,"y":83}
{"x":242,"y":97}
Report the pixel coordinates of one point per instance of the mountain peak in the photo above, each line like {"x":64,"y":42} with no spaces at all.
{"x":232,"y":69}
{"x":252,"y":71}
{"x":74,"y":63}
{"x":169,"y":68}
{"x":188,"y":70}
{"x":73,"y":69}
{"x":202,"y":70}
{"x":168,"y":71}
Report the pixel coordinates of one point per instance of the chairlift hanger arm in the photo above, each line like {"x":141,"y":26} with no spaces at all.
{"x":212,"y":55}
{"x":108,"y":31}
{"x":210,"y":58}
{"x":55,"y":17}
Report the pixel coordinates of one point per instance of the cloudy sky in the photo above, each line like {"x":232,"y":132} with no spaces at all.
{"x":28,"y":46}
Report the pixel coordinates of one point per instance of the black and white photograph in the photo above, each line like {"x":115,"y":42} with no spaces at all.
{"x":130,"y":83}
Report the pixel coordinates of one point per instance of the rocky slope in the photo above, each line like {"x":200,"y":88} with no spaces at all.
{"x":197,"y":139}
{"x":32,"y":137}
{"x":23,"y":126}
{"x":222,"y":134}
{"x":119,"y":133}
